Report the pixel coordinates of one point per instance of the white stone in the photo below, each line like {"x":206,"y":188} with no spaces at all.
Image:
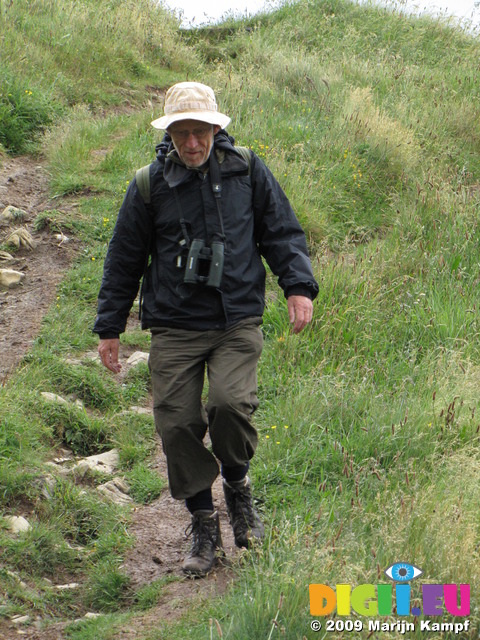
{"x":64,"y":587}
{"x":53,"y":397}
{"x":105,"y":462}
{"x":140,"y":410}
{"x":48,"y":488}
{"x":63,"y":472}
{"x":116,"y":490}
{"x":20,"y":619}
{"x":5,"y":256}
{"x":121,"y":484}
{"x":12,"y":214}
{"x":62,"y":459}
{"x":89,"y":356}
{"x":17,"y":524}
{"x":10,"y":278}
{"x":137,"y":358}
{"x":21,"y":238}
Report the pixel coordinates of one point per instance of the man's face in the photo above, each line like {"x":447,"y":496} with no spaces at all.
{"x":193,"y":141}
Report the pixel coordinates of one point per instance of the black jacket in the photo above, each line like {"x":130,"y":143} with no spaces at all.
{"x":257,"y":221}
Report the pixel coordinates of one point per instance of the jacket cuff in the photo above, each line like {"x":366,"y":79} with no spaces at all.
{"x":109,"y":335}
{"x":298,"y":290}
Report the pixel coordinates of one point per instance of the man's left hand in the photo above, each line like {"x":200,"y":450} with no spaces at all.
{"x":300,"y":311}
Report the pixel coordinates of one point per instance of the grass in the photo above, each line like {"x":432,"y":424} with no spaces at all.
{"x":368,"y":421}
{"x":95,"y":54}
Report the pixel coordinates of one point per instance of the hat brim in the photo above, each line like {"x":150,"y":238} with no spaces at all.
{"x":212,"y":117}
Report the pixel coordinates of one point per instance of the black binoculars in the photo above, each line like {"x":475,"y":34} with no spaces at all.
{"x":205,"y":264}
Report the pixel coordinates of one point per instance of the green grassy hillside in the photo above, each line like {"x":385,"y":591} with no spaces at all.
{"x":369,"y":451}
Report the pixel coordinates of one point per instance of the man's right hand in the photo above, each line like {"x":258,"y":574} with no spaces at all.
{"x":108,"y":350}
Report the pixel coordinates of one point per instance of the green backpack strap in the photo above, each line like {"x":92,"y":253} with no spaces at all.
{"x":246,"y":155}
{"x":143,"y":182}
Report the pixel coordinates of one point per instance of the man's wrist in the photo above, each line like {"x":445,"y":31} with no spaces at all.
{"x":299,"y":291}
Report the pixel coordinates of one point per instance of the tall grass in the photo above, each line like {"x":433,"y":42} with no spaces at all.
{"x":96,"y":53}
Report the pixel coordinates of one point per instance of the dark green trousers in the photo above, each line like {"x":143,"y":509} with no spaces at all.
{"x":178,"y":362}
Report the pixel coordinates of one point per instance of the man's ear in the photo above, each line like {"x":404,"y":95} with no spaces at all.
{"x":216,"y":129}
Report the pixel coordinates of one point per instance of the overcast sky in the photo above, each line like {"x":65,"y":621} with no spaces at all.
{"x":197,"y":12}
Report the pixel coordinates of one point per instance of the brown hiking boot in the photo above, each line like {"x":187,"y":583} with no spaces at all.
{"x":206,"y":541}
{"x":245,"y":521}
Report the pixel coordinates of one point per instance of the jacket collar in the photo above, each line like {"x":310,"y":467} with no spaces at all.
{"x":176,"y":173}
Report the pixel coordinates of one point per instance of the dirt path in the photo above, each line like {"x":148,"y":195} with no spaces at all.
{"x":159,"y":528}
{"x":160,"y":545}
{"x":160,"y":532}
{"x":24,"y":184}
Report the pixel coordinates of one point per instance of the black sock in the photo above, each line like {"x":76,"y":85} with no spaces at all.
{"x":235,"y":474}
{"x":201,"y":501}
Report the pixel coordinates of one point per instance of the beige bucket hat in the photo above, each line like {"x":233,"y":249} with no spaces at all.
{"x":190,"y":101}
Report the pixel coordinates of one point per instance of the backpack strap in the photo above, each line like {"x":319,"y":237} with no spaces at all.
{"x":246,"y":155}
{"x":143,"y":182}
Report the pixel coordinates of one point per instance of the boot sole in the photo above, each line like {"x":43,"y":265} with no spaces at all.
{"x":198,"y":573}
{"x":250,"y":543}
{"x":192,"y":573}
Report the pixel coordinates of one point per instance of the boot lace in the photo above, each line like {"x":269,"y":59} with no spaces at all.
{"x":243,"y":512}
{"x":202,"y":533}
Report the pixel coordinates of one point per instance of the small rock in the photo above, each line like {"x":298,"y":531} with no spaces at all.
{"x":82,"y":468}
{"x":139,"y":410}
{"x":48,"y":486}
{"x":5,"y":256}
{"x":10,"y":278}
{"x":17,"y":524}
{"x":88,"y":356}
{"x":115,"y":490}
{"x":78,"y":548}
{"x":105,"y":462}
{"x":90,"y":615}
{"x":16,"y":577}
{"x":121,"y":484}
{"x":63,"y":472}
{"x":62,"y":459}
{"x":92,"y":355}
{"x":53,"y":397}
{"x":21,"y":238}
{"x":137,"y":358}
{"x":65,"y":587}
{"x":20,"y":619}
{"x":12,"y":214}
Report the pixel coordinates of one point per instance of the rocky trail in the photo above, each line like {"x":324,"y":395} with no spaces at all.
{"x":24,"y":187}
{"x":158,"y":528}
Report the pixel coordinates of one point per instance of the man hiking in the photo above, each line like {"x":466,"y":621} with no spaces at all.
{"x":196,"y":224}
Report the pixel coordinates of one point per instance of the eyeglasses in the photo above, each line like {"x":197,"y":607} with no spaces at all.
{"x":184,"y":134}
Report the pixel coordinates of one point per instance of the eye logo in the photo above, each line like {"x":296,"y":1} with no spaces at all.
{"x":402,"y":572}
